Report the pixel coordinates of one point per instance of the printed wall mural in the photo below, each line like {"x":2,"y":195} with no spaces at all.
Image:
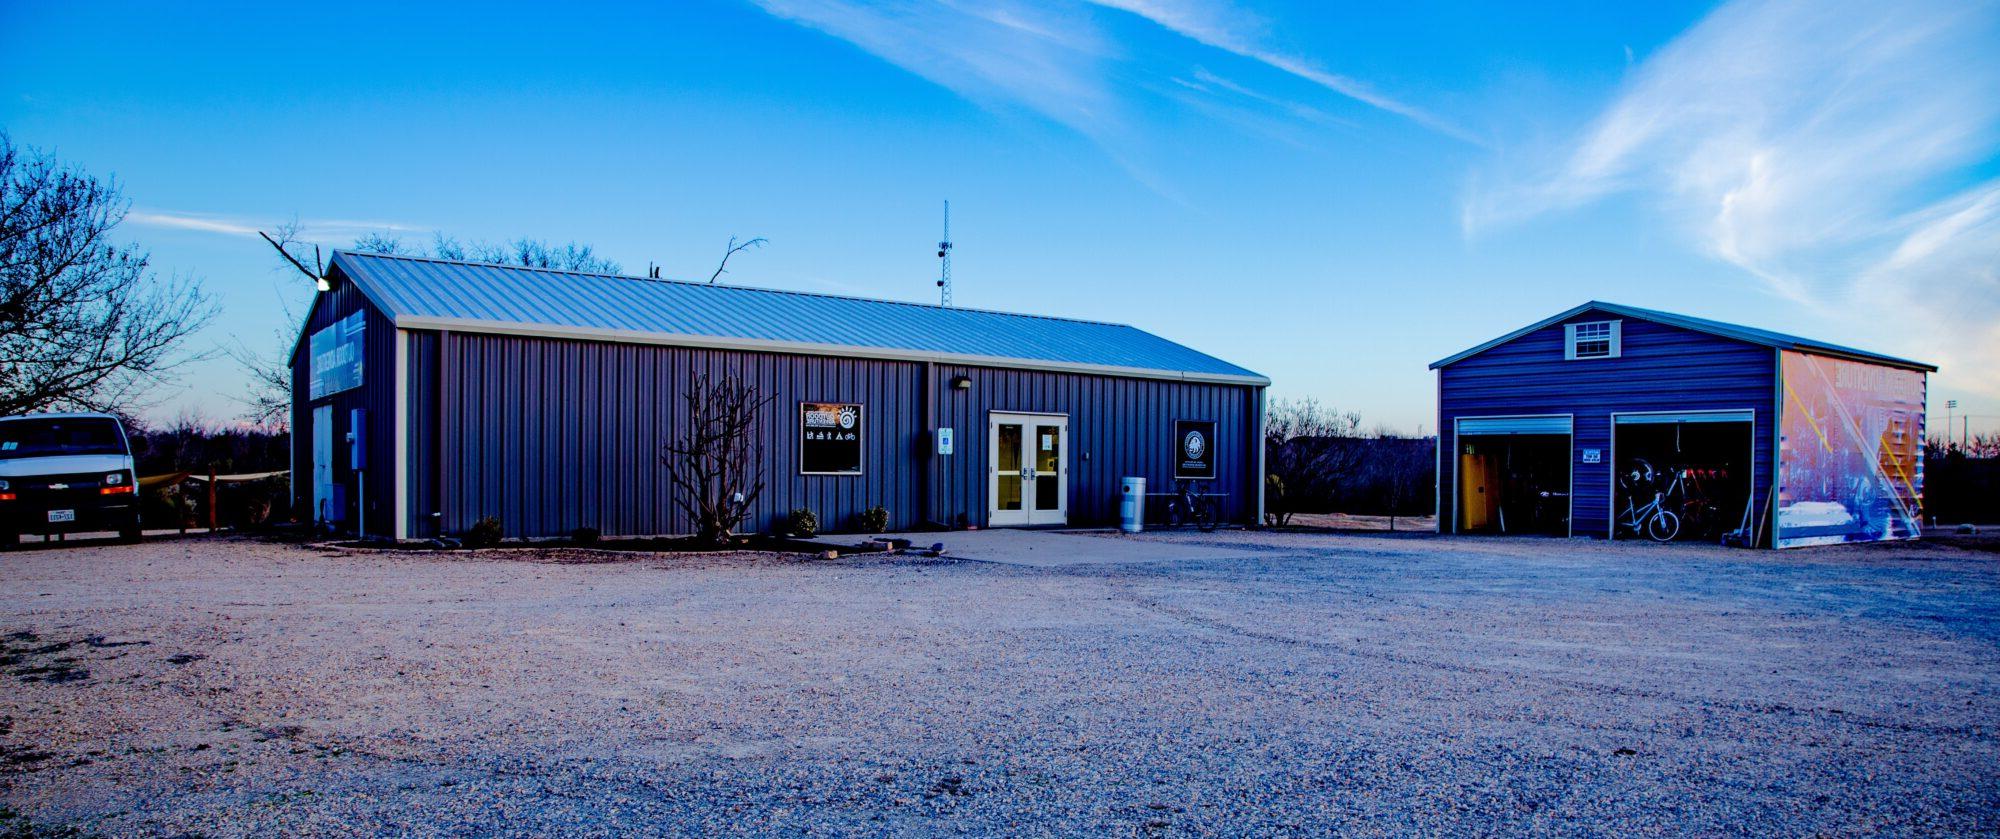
{"x":1851,"y":455}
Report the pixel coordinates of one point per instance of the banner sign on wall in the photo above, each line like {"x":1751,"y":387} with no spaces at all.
{"x":1194,"y":450}
{"x":336,"y":356}
{"x":829,"y":438}
{"x":1851,"y":452}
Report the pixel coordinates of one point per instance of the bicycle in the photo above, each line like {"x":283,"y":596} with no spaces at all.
{"x":1190,"y":507}
{"x":1654,"y":519}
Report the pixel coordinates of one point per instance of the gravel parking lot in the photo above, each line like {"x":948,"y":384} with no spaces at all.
{"x":1307,"y":684}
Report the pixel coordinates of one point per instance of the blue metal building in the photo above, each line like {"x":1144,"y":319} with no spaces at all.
{"x":430,"y":393}
{"x":1571,"y":425}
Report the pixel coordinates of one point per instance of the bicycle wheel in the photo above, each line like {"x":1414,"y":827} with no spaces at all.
{"x":1174,"y":517}
{"x":1204,"y":514}
{"x":1663,"y":526}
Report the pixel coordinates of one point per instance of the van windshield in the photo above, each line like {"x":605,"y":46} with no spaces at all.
{"x":61,"y":436}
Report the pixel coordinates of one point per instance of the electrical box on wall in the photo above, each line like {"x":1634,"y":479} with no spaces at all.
{"x":357,"y":439}
{"x":944,"y":441}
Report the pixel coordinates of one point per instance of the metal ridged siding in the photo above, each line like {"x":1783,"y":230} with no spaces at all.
{"x":417,"y":288}
{"x":1117,"y":427}
{"x":1661,"y":368}
{"x":376,"y":393}
{"x":550,"y":434}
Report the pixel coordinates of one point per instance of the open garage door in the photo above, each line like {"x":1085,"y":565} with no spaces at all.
{"x":1514,"y":475}
{"x":1683,"y":476}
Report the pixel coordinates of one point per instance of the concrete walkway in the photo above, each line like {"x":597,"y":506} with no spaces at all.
{"x":1056,"y":548}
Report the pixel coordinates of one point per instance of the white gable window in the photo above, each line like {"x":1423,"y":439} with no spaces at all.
{"x":1592,"y":340}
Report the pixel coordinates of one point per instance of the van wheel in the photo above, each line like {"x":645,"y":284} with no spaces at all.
{"x":130,"y":534}
{"x":10,"y":539}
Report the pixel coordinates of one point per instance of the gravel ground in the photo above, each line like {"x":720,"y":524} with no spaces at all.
{"x":1328,"y":684}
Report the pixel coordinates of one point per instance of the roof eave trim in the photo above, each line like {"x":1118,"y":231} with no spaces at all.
{"x":1540,"y":324}
{"x":1880,"y":360}
{"x":1682,"y":322}
{"x":719,"y":342}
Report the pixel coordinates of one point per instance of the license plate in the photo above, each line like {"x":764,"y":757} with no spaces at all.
{"x":62,"y":515}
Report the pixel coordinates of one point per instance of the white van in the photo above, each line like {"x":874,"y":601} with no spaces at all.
{"x":66,"y":473}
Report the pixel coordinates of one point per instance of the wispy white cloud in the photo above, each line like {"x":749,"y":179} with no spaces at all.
{"x":312,"y":230}
{"x":190,"y":221}
{"x":1947,"y":268}
{"x":998,"y":55}
{"x":1820,"y":145}
{"x":1231,"y":29}
{"x":1059,"y":59}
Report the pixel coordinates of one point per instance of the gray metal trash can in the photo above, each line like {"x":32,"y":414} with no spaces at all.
{"x":1132,"y":505}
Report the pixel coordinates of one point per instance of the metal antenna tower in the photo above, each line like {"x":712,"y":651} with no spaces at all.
{"x":944,"y":258}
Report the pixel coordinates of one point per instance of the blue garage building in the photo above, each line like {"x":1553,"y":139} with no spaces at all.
{"x":428,"y":394}
{"x":1618,"y":422}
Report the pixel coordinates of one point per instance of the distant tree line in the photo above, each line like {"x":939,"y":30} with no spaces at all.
{"x":1318,"y":460}
{"x":193,"y":445}
{"x":1962,"y":480}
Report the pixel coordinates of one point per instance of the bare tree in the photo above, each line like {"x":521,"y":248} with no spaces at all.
{"x":1403,"y":464}
{"x":83,"y":322}
{"x":714,"y":462}
{"x":730,"y":251}
{"x":268,"y":402}
{"x":1307,"y":452}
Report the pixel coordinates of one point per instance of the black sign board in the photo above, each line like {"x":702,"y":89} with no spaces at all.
{"x":1194,"y":450}
{"x":829,"y":438}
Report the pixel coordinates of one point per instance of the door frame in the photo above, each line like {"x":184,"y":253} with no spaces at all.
{"x":1027,"y":419}
{"x":1709,"y":415}
{"x":324,"y":506}
{"x":1457,"y":441}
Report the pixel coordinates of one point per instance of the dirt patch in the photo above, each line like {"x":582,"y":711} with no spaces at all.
{"x":1986,"y":538}
{"x":1300,"y":683}
{"x":1364,"y":524}
{"x":29,"y":657}
{"x":563,"y":551}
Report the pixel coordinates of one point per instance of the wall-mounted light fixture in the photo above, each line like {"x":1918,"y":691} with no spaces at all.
{"x":324,"y":283}
{"x":961,"y":383}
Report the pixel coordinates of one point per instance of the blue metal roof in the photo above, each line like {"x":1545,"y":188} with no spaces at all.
{"x":1763,"y":337}
{"x":422,"y":293}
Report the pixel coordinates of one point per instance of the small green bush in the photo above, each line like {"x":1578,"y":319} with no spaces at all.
{"x":874,"y":519}
{"x":584,"y":535}
{"x":802,"y":523}
{"x":484,"y":533}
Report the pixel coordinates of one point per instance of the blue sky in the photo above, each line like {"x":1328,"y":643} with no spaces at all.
{"x":1333,"y":197}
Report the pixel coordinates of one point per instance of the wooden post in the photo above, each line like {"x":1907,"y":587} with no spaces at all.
{"x":211,"y":498}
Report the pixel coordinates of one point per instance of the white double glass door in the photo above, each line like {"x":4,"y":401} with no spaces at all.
{"x":1029,"y":483}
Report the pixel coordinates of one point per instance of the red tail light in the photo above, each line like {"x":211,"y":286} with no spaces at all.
{"x":6,"y":496}
{"x":116,"y":490}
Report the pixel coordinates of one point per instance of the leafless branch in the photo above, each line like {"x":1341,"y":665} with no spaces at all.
{"x":83,"y":322}
{"x":733,"y":248}
{"x":286,"y":236}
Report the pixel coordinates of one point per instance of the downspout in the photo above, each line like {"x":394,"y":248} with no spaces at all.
{"x":927,"y":447}
{"x":1437,"y":474}
{"x":1769,"y":511}
{"x":437,"y":433}
{"x":1257,"y":481}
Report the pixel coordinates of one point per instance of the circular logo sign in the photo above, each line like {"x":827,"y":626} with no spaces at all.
{"x":1194,"y":445}
{"x":847,"y":417}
